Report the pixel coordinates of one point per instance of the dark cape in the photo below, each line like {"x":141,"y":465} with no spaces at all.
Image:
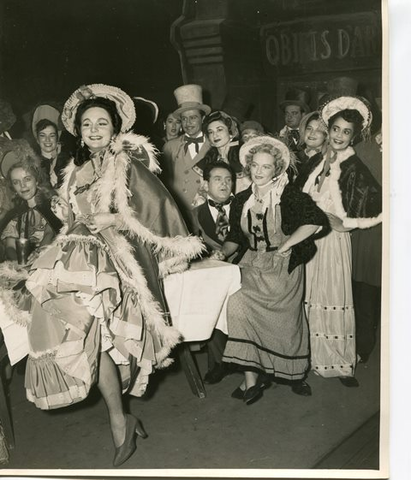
{"x":43,"y":208}
{"x":297,"y":209}
{"x":360,"y":192}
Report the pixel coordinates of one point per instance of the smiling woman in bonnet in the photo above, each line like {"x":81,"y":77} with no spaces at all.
{"x":98,"y":314}
{"x":343,"y":187}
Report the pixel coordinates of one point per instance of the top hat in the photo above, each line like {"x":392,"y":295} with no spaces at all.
{"x":342,"y":86}
{"x":190,"y":97}
{"x":236,"y":107}
{"x":297,"y":96}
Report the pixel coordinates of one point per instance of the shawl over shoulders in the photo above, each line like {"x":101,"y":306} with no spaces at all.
{"x":42,"y":207}
{"x":297,"y":209}
{"x":361,"y":195}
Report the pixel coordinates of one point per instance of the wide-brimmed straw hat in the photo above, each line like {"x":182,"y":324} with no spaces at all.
{"x":261,"y":140}
{"x":18,"y":151}
{"x":43,"y":112}
{"x":338,"y":104}
{"x":124,"y":104}
{"x":190,"y":97}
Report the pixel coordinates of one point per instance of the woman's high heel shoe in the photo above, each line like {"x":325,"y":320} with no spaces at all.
{"x":124,"y":451}
{"x":140,"y":429}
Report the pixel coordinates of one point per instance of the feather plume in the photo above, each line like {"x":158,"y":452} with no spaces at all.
{"x":146,"y":151}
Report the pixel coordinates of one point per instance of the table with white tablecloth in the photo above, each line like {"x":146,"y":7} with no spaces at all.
{"x":197,"y":300}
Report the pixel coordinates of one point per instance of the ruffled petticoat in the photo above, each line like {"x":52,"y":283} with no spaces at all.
{"x":82,"y":305}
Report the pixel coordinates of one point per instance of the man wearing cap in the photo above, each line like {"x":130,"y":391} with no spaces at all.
{"x":294,"y":107}
{"x":250,"y":129}
{"x":184,"y":152}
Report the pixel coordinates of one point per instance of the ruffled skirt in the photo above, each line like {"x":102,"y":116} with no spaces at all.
{"x":86,"y":301}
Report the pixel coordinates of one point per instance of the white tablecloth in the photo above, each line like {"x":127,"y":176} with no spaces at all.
{"x":197,"y":298}
{"x":15,"y":336}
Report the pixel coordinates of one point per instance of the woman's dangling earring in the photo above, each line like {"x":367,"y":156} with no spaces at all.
{"x":82,"y":143}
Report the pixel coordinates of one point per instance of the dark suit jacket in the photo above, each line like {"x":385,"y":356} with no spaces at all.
{"x":205,"y":227}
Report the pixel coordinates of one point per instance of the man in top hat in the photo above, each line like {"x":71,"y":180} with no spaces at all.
{"x":294,"y":107}
{"x":184,"y":152}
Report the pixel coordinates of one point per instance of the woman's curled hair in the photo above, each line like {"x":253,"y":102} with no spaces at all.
{"x":83,"y":152}
{"x":31,"y":163}
{"x":351,"y":116}
{"x":279,"y":163}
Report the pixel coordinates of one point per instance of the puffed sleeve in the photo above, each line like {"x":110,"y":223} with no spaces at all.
{"x":10,"y":230}
{"x":300,"y":209}
{"x":297,"y":209}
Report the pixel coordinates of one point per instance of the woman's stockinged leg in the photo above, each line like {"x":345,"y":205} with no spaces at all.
{"x":109,"y":386}
{"x":250,"y":379}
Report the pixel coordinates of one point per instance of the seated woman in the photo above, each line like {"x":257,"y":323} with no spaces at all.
{"x":222,"y":133}
{"x":53,"y":159}
{"x":313,"y":138}
{"x":267,"y":329}
{"x":32,"y":217}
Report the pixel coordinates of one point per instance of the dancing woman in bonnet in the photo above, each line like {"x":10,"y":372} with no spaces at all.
{"x":343,"y":187}
{"x":267,"y":329}
{"x":99,"y":315}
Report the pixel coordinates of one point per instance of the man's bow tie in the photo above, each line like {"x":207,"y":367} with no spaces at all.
{"x":196,"y":141}
{"x":295,"y":134}
{"x":214,"y":204}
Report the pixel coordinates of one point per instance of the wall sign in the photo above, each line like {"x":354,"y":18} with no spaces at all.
{"x":328,"y":43}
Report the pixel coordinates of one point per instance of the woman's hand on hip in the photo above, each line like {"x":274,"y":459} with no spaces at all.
{"x":336,"y":223}
{"x":100,"y":221}
{"x":284,"y":250}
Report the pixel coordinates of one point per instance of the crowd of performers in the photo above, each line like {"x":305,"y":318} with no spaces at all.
{"x":106,"y":213}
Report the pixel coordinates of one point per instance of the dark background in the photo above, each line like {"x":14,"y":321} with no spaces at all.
{"x":49,"y":48}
